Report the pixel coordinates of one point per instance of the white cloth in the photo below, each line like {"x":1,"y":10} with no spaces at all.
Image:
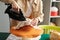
{"x":28,"y":22}
{"x":13,"y":37}
{"x":29,"y":8}
{"x":23,"y":23}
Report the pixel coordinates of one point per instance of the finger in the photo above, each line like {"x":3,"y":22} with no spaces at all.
{"x":18,"y":10}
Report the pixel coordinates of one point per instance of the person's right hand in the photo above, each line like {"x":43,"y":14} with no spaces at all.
{"x":15,"y":6}
{"x":34,"y":22}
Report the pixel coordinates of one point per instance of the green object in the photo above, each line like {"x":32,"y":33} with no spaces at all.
{"x":48,"y":28}
{"x":3,"y":36}
{"x":45,"y":37}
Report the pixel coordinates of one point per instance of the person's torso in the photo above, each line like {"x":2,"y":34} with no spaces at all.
{"x":30,"y":9}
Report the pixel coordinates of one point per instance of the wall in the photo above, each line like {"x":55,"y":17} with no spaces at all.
{"x":4,"y":19}
{"x":58,"y":0}
{"x":46,"y":10}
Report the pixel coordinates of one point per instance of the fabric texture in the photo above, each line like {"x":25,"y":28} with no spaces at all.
{"x":13,"y":37}
{"x":37,"y":8}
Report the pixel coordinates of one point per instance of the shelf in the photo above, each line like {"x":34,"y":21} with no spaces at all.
{"x":55,"y":1}
{"x":54,"y":16}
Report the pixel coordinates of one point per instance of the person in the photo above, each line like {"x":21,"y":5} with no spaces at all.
{"x":32,"y":10}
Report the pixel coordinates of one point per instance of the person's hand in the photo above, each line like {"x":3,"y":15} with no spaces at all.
{"x":34,"y":22}
{"x":15,"y":6}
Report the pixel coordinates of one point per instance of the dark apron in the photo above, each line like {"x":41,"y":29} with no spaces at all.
{"x":16,"y":16}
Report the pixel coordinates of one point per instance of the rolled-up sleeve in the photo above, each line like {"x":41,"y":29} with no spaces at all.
{"x":40,"y":18}
{"x":6,"y":1}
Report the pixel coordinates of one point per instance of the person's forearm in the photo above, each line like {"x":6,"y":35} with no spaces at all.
{"x":41,"y":15}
